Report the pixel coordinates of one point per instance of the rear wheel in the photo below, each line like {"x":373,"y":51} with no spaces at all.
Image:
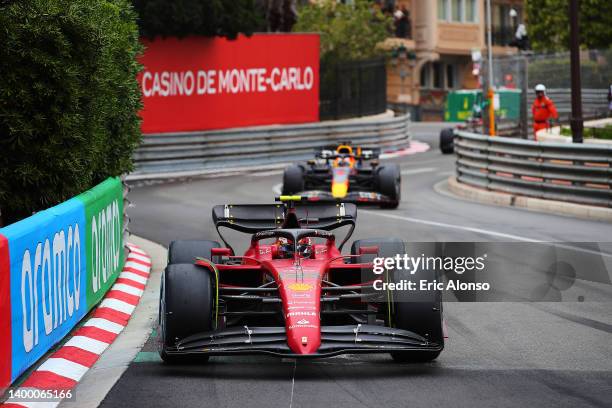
{"x":416,"y":311}
{"x":185,"y":308}
{"x":447,"y":141}
{"x":389,"y":183}
{"x":293,"y":179}
{"x":186,"y":251}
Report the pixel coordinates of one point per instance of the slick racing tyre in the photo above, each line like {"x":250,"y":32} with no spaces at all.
{"x":293,"y":179}
{"x":447,"y":141}
{"x":186,"y":307}
{"x":389,"y":183}
{"x":186,"y":251}
{"x":416,"y":311}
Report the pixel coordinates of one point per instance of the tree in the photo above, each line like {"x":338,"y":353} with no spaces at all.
{"x":180,"y":18}
{"x":348,"y":31}
{"x":548,"y":24}
{"x":69,"y":99}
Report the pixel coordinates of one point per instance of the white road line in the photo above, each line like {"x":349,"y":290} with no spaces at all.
{"x":293,"y":383}
{"x":417,"y":171}
{"x":118,"y":305}
{"x":87,"y":344}
{"x":133,"y":276}
{"x":266,"y":173}
{"x":131,"y":290}
{"x":452,"y":226}
{"x":104,"y":324}
{"x":488,"y":232}
{"x":65,"y":368}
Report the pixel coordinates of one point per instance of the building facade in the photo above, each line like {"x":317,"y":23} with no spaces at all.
{"x":434,"y":55}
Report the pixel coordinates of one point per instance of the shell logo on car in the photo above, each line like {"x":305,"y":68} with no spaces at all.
{"x":300,"y":287}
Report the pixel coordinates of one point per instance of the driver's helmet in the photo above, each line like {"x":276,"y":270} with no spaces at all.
{"x":344,"y":162}
{"x":304,"y":248}
{"x":344,"y":149}
{"x":285,"y":248}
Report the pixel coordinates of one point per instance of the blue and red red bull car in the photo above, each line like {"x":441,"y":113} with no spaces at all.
{"x":345,"y":173}
{"x":292,"y":293}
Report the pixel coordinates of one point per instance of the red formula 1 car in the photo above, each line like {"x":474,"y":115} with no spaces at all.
{"x":292,"y":293}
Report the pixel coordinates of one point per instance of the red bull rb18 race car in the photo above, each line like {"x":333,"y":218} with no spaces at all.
{"x":292,"y":293}
{"x":345,"y":173}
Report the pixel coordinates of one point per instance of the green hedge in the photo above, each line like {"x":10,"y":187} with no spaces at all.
{"x":68,"y":99}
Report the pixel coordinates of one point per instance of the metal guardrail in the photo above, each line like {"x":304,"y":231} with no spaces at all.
{"x":579,"y":173}
{"x":246,"y":147}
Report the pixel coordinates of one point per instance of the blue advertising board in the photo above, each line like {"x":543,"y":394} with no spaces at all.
{"x":47,"y":280}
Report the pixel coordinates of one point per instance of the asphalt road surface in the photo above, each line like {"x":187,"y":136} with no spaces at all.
{"x":502,"y":354}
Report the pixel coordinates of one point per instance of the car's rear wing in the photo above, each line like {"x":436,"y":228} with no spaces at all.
{"x":252,"y":218}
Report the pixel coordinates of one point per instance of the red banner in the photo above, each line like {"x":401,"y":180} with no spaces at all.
{"x":5,"y":315}
{"x":213,"y":83}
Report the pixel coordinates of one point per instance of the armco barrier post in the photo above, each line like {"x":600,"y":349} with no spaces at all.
{"x":103,"y":237}
{"x":5,"y":315}
{"x":47,"y":280}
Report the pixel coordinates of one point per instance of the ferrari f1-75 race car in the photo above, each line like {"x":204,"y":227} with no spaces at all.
{"x":292,"y":293}
{"x":345,"y":173}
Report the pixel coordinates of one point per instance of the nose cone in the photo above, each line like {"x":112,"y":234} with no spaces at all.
{"x":304,"y":340}
{"x":302,"y":315}
{"x":339,"y":190}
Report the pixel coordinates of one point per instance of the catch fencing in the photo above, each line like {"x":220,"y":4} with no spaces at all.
{"x":258,"y":146}
{"x":594,"y":105}
{"x":579,"y":173}
{"x":525,"y":71}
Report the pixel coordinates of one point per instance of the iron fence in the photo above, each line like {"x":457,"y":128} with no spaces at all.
{"x":351,"y":89}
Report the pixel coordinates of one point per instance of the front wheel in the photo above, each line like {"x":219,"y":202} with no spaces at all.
{"x":186,"y":307}
{"x":447,"y":141}
{"x":389,"y":181}
{"x":417,"y":311}
{"x":293,"y":180}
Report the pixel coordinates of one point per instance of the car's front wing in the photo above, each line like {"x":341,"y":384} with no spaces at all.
{"x":348,"y":339}
{"x":357,"y":197}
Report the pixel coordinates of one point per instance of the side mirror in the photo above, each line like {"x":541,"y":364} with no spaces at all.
{"x":368,"y":250}
{"x":221,"y":252}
